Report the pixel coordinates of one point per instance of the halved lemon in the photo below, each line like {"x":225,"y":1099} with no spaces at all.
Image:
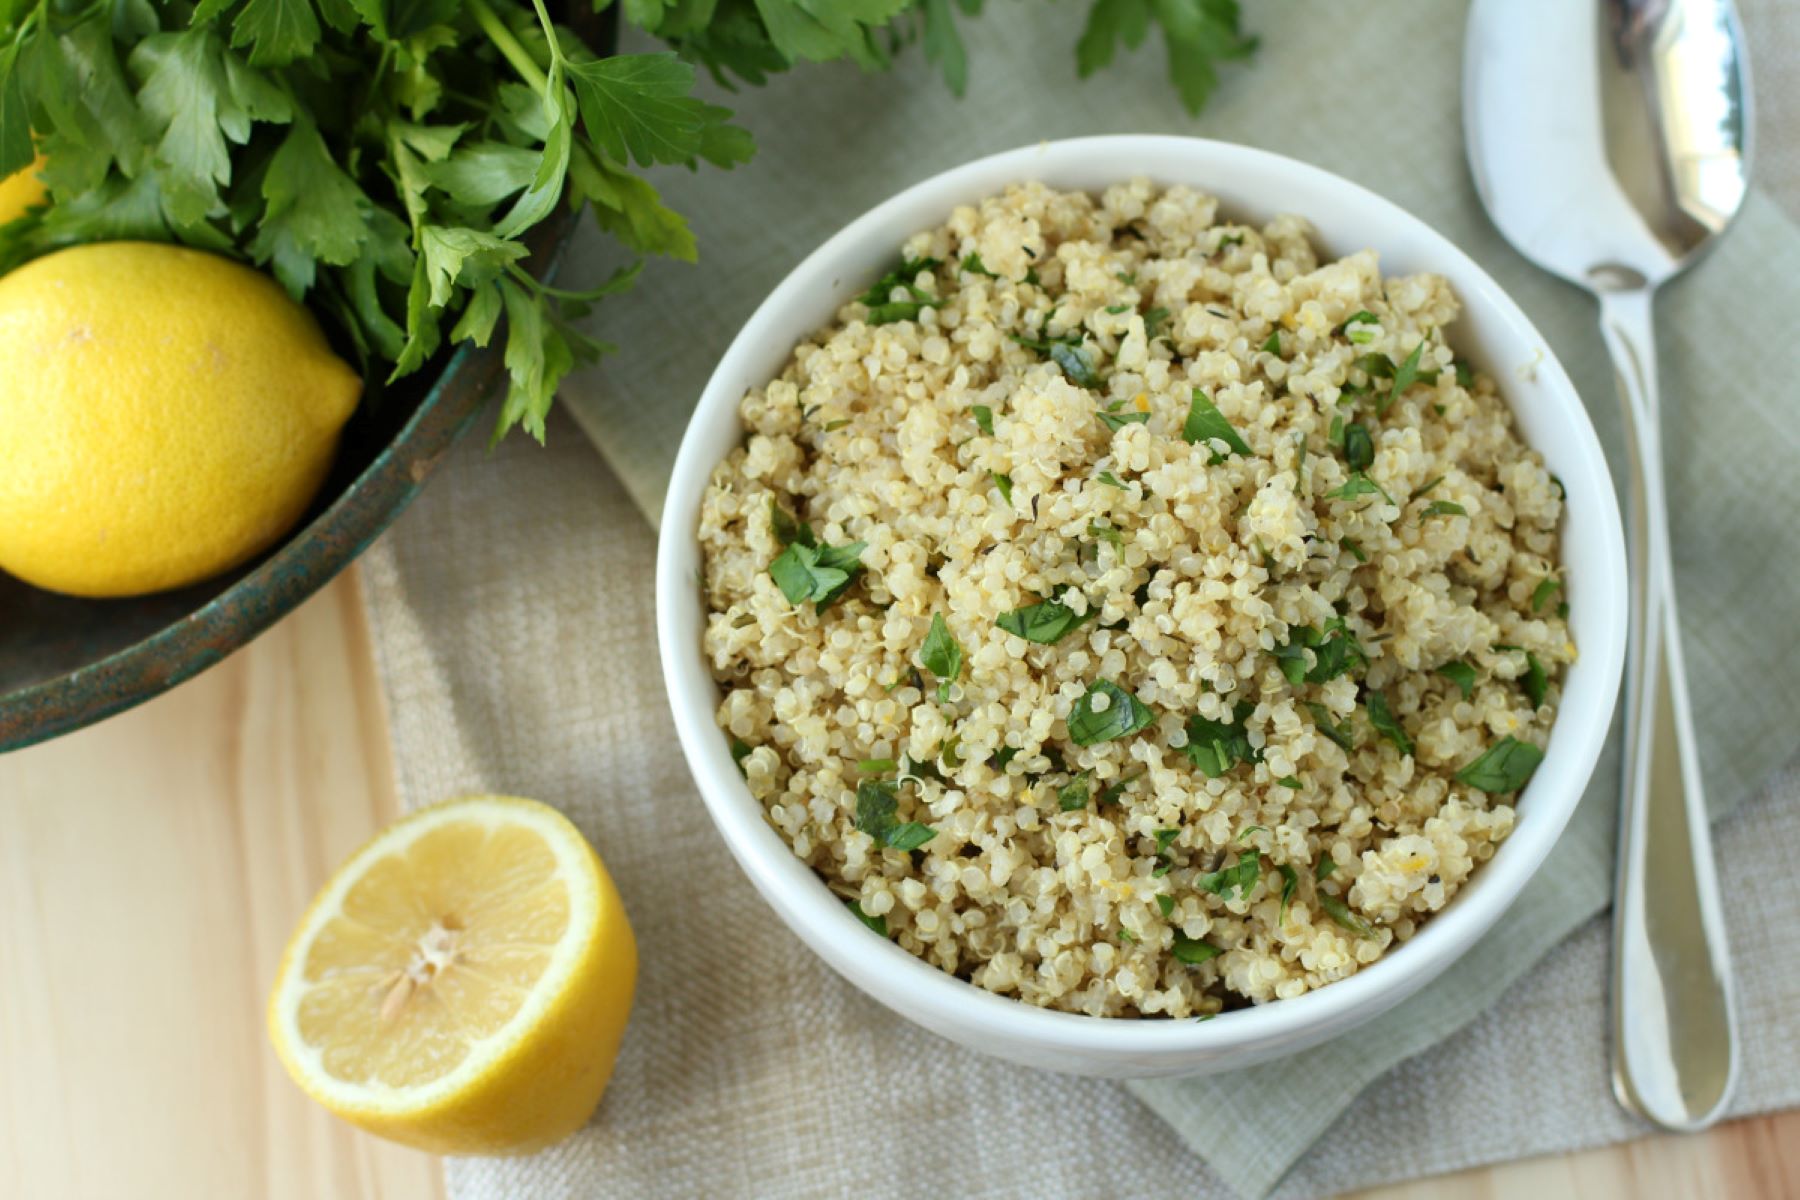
{"x":462,"y":983}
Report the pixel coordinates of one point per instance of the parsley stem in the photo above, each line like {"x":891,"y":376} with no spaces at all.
{"x":508,"y":45}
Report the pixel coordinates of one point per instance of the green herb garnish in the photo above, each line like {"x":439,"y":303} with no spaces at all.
{"x":1358,"y":484}
{"x":1273,"y":344}
{"x":1344,"y":735}
{"x":1443,"y":508}
{"x":1074,"y":794}
{"x":941,"y":655}
{"x":1361,"y":337}
{"x":1110,"y":480}
{"x":876,"y":802}
{"x":740,"y":750}
{"x":1340,"y":912}
{"x":1153,"y":322}
{"x":1215,"y":746}
{"x":1241,"y":875}
{"x":1503,"y":768}
{"x":1166,"y":903}
{"x":1290,"y":782}
{"x":1004,"y":484}
{"x":984,"y":418}
{"x":1110,"y":793}
{"x":1290,"y":880}
{"x":1193,"y":951}
{"x":1120,"y":715}
{"x":1116,"y":421}
{"x":883,"y":310}
{"x":1046,"y":623}
{"x":878,"y":924}
{"x":1326,"y":866}
{"x":817,"y":573}
{"x":1386,"y":723}
{"x":1116,"y":309}
{"x":1076,"y":363}
{"x":1546,"y":588}
{"x":877,"y":766}
{"x":1248,"y":831}
{"x":1205,"y":423}
{"x":1359,"y":447}
{"x":973,"y":265}
{"x":1335,"y":652}
{"x":1105,"y":533}
{"x":1462,"y":675}
{"x":1354,"y":549}
{"x":1404,"y":377}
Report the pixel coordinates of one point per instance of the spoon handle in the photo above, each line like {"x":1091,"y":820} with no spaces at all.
{"x":1674,"y":1039}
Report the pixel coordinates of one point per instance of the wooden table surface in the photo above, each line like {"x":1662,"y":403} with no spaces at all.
{"x":151,"y":868}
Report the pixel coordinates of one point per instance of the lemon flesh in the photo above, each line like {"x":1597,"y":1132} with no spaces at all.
{"x":462,"y":983}
{"x":22,"y":191}
{"x":165,"y":415}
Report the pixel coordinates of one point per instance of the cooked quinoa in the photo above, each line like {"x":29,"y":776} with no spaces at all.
{"x":1125,"y":609}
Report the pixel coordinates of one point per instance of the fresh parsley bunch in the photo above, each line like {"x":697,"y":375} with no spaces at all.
{"x":387,"y":159}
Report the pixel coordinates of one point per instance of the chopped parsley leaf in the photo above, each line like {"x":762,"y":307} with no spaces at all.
{"x":1443,"y":508}
{"x":1074,"y":794}
{"x":878,"y":924}
{"x":1404,"y":377}
{"x":1426,"y":490}
{"x":1116,"y":421}
{"x":1290,"y":782}
{"x":1205,"y":423}
{"x":1110,"y":480}
{"x":1003,"y":756}
{"x":876,"y":802}
{"x":1358,"y":485}
{"x":740,"y":750}
{"x":1540,"y":595}
{"x":883,"y":309}
{"x":1166,"y":902}
{"x":1462,"y":675}
{"x":941,"y":655}
{"x":1193,"y":951}
{"x":1326,"y":866}
{"x":1076,"y":363}
{"x":1166,"y":838}
{"x":1126,"y":277}
{"x":1340,"y":912}
{"x":1153,"y":322}
{"x":973,"y":265}
{"x":1503,"y":767}
{"x":1273,"y":345}
{"x":1537,"y":682}
{"x":1359,"y":447}
{"x":834,"y":426}
{"x":1344,"y":735}
{"x":1290,"y":881}
{"x":1127,"y":935}
{"x":1465,"y":377}
{"x":984,"y":418}
{"x":1045,"y":623}
{"x":1214,"y":747}
{"x":877,"y":766}
{"x":1004,"y":483}
{"x":1354,"y":548}
{"x":1123,"y":714}
{"x":817,"y":573}
{"x":786,"y":529}
{"x":1363,"y":335}
{"x":1241,"y":876}
{"x":1245,"y":833}
{"x":1105,"y":533}
{"x":1335,"y":652}
{"x":1116,"y":309}
{"x":1110,"y":793}
{"x":1031,"y":277}
{"x":1386,"y":723}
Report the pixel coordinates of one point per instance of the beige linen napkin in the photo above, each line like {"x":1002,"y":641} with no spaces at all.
{"x":513,"y":620}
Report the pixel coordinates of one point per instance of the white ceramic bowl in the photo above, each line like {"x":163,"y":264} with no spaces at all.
{"x":1252,"y":185}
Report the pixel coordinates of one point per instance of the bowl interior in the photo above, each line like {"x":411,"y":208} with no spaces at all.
{"x":1251,"y":185}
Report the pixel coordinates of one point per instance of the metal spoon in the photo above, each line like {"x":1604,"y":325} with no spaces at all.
{"x":1610,"y":141}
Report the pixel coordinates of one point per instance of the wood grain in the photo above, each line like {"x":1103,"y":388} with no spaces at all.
{"x":151,"y":868}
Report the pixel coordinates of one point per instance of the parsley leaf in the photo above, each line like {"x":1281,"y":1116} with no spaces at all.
{"x":1073,"y":795}
{"x":1196,"y":34}
{"x":1153,"y":323}
{"x":1386,"y":723}
{"x":1340,"y":912}
{"x":1354,"y":549}
{"x":1502,"y":768}
{"x":1363,"y":333}
{"x":1214,"y":747}
{"x":1462,"y":675}
{"x":984,"y":418}
{"x":1326,"y":866}
{"x":1290,"y":881}
{"x":1335,"y":652}
{"x":1273,"y":344}
{"x":1105,"y":712}
{"x":877,"y":800}
{"x":817,"y":573}
{"x":1193,"y":951}
{"x":1166,"y":903}
{"x":1546,"y":588}
{"x":1343,"y":735}
{"x":1004,"y":483}
{"x":1291,"y":783}
{"x":941,"y":655}
{"x":973,"y":265}
{"x":1111,"y":792}
{"x":1358,"y":484}
{"x":1359,"y":447}
{"x":1241,"y":875}
{"x":1046,"y":622}
{"x":740,"y":750}
{"x":878,"y":924}
{"x":1443,"y":508}
{"x":1110,"y":480}
{"x":1205,"y":423}
{"x":884,"y":309}
{"x":1117,"y":421}
{"x":1076,"y":362}
{"x":1404,"y":377}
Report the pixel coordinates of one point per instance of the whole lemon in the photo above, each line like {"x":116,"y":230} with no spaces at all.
{"x":165,"y":415}
{"x":22,"y":190}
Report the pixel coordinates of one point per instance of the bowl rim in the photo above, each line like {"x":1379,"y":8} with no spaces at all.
{"x":941,"y":1001}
